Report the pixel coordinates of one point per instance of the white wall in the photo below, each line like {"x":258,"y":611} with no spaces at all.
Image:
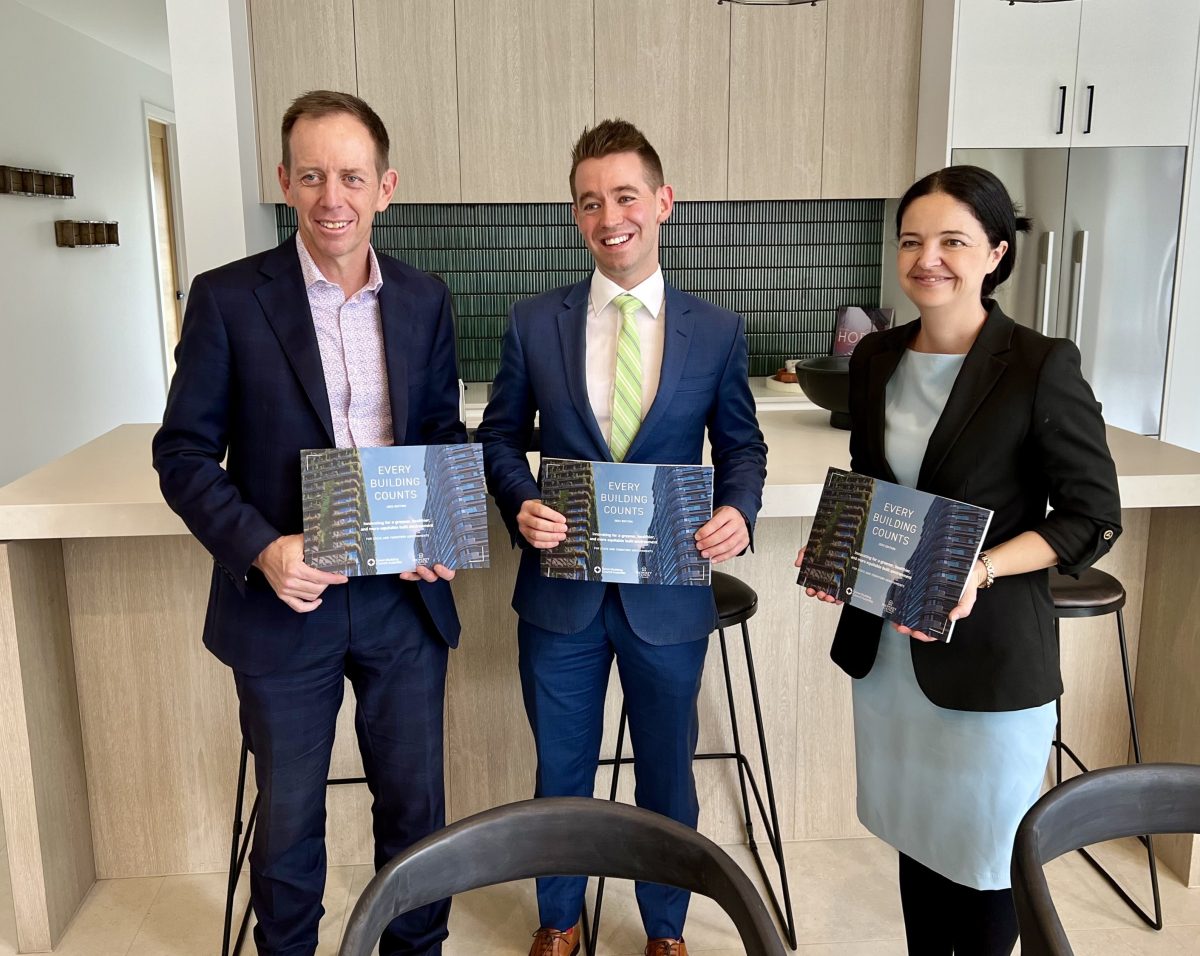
{"x":210,"y":67}
{"x":80,"y":336}
{"x":1181,"y":402}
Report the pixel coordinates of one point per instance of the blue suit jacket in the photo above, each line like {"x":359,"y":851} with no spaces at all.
{"x":703,"y":383}
{"x":249,"y":384}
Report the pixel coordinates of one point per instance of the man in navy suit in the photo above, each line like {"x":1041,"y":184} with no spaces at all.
{"x":619,"y":367}
{"x":320,"y":342}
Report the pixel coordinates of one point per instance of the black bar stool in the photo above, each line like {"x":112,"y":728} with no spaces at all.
{"x":1094,"y":594}
{"x":240,"y":847}
{"x":736,"y":604}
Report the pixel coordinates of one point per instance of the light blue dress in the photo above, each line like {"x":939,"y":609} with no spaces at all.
{"x":945,"y":787}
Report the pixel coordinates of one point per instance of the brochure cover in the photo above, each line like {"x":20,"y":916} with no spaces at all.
{"x":391,"y":509}
{"x":892,"y":550}
{"x":853,"y":322}
{"x":628,"y":523}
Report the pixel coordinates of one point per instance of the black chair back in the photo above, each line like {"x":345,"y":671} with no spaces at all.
{"x":559,"y":836}
{"x":1101,"y":805}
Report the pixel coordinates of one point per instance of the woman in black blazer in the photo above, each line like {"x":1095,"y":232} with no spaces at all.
{"x":952,"y":739}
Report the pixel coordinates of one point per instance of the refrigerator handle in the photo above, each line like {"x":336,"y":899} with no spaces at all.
{"x":1091,"y":91}
{"x":1079,"y":280}
{"x":1062,"y":110}
{"x":1047,"y":268}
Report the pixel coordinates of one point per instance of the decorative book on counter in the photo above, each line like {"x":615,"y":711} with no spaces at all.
{"x":395,"y":508}
{"x":628,"y":523}
{"x":900,"y":553}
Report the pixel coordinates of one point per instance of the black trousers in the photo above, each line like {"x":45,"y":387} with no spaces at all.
{"x":944,"y":918}
{"x":383,"y":641}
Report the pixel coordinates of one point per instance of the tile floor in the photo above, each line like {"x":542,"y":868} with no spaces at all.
{"x":844,"y":892}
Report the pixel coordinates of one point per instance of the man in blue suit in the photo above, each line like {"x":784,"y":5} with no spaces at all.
{"x":619,"y":367}
{"x":317,"y":343}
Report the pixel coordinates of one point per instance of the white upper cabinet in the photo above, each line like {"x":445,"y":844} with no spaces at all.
{"x":1074,"y":73}
{"x":1015,"y":73}
{"x":1137,"y":64}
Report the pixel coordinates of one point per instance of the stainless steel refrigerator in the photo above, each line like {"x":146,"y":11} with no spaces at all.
{"x":1098,"y":265}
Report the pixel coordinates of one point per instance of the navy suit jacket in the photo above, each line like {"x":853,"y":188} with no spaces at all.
{"x":703,"y":384}
{"x":249,"y":385}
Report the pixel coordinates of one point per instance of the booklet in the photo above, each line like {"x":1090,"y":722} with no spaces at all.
{"x":395,"y":508}
{"x":628,"y":523}
{"x":853,"y":323}
{"x":900,"y":553}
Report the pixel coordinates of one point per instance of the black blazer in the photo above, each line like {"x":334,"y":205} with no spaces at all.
{"x":1020,"y":428}
{"x":249,"y":388}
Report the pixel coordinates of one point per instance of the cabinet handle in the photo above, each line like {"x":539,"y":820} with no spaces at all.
{"x":1087,"y":126}
{"x":1062,"y":110}
{"x":1047,"y":265}
{"x":1080,"y":278}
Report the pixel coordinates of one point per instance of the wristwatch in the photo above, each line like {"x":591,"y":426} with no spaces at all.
{"x":991,"y":571}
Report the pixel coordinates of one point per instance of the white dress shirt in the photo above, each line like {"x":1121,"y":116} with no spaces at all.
{"x":603,"y":327}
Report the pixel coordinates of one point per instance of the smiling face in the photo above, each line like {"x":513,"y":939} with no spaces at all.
{"x":944,"y":254}
{"x":618,"y":212}
{"x":336,"y":189}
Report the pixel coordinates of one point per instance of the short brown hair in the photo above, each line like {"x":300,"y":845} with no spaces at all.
{"x":616,"y":136}
{"x":317,"y":103}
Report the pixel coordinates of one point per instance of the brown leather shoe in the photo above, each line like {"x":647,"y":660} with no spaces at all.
{"x":666,"y":947}
{"x":554,"y":942}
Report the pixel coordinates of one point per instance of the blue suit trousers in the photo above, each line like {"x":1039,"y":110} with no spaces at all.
{"x":383,"y":640}
{"x":564,"y":679}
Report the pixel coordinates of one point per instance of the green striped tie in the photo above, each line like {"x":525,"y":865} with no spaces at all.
{"x":627,"y":387}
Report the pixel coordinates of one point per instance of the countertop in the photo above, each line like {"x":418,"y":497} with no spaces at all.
{"x":107,"y":488}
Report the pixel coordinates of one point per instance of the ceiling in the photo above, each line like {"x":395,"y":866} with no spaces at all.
{"x":137,"y":28}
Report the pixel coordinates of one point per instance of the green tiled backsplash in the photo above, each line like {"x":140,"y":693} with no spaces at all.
{"x":785,"y":266}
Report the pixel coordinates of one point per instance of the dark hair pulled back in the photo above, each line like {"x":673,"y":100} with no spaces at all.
{"x":989,"y":202}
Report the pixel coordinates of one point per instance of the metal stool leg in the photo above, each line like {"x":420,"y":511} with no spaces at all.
{"x":239,"y":847}
{"x":1058,"y":716}
{"x":737,"y":741}
{"x":1155,"y":921}
{"x":1147,"y":840}
{"x":592,"y":933}
{"x":768,"y":810}
{"x":774,"y":836}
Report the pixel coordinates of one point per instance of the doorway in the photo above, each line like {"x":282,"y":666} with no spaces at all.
{"x":160,"y":141}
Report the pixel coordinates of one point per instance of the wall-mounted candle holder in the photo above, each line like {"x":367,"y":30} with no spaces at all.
{"x":74,"y":233}
{"x":16,"y":181}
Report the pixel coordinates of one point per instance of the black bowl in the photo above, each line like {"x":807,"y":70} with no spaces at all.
{"x":826,"y":382}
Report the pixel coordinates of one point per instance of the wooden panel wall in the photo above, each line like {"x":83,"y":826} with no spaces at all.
{"x":664,"y":66}
{"x":525,"y":93}
{"x":407,"y":72}
{"x":43,"y":790}
{"x":296,"y":46}
{"x":776,"y":101}
{"x":1169,"y":660}
{"x":160,"y":732}
{"x":872,"y":71}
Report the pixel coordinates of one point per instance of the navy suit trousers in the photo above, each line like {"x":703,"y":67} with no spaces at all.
{"x":564,"y":679}
{"x":382,"y":639}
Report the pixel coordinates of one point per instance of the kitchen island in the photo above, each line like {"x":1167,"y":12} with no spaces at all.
{"x":121,"y":744}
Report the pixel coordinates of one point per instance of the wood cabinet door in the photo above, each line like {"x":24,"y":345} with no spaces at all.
{"x":525,"y":93}
{"x":1014,"y":73}
{"x":1137,"y":67}
{"x":872,"y":71}
{"x":776,"y":101}
{"x":664,"y":66}
{"x":297,"y":46}
{"x":408,"y":73}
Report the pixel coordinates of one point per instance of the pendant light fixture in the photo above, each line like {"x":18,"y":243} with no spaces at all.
{"x":772,"y":3}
